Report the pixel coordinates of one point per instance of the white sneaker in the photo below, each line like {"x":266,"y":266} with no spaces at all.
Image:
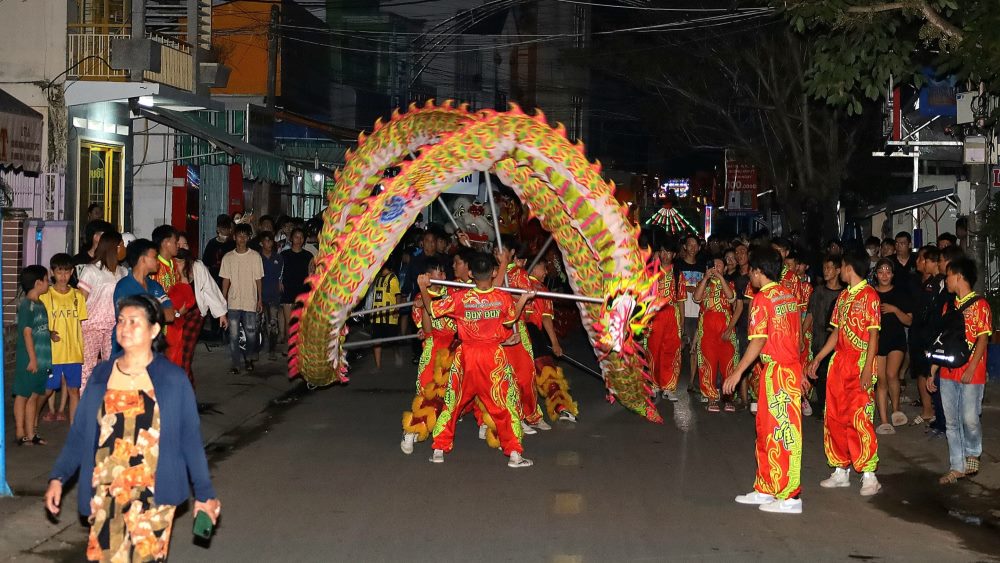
{"x":567,"y":416}
{"x":482,"y":431}
{"x":787,"y":506}
{"x":869,"y":484}
{"x":755,"y":497}
{"x":807,"y":410}
{"x":885,"y":429}
{"x":670,"y":396}
{"x":517,"y":461}
{"x":899,"y":418}
{"x":527,"y":429}
{"x":841,"y":477}
{"x":437,"y":456}
{"x":753,"y":407}
{"x":542,"y":425}
{"x":407,"y":444}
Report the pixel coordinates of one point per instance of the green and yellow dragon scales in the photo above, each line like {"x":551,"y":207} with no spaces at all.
{"x":553,"y":178}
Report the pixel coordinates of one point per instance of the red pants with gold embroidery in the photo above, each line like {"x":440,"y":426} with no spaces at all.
{"x":716,"y":355}
{"x":779,"y":430}
{"x":523,"y":364}
{"x":665,"y":347}
{"x":485,"y":374}
{"x":848,"y":433}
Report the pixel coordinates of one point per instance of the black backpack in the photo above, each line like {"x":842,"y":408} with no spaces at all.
{"x":949,"y":348}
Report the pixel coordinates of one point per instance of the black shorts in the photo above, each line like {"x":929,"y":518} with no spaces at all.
{"x":384,"y":330}
{"x":893,"y":343}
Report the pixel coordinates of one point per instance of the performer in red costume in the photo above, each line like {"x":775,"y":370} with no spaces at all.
{"x":774,"y":333}
{"x":438,"y":336}
{"x":848,"y":434}
{"x":716,"y":342}
{"x":665,"y":341}
{"x":549,"y":379}
{"x":520,"y":354}
{"x":484,"y":317}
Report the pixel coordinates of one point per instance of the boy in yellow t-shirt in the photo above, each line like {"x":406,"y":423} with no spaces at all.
{"x":67,"y":308}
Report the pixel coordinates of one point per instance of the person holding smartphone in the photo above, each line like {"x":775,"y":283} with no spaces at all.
{"x":716,"y":340}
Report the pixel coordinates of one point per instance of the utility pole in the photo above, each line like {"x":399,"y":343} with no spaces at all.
{"x":272,"y":57}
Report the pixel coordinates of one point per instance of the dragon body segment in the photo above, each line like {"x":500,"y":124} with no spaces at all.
{"x":551,"y":176}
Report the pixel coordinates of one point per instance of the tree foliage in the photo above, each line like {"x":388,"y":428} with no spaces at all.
{"x":859,"y":44}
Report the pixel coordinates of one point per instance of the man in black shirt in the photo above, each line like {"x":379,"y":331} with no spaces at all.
{"x":904,"y":264}
{"x":926,"y":310}
{"x":219,"y":246}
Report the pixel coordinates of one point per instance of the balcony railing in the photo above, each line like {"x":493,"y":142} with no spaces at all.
{"x":88,"y":52}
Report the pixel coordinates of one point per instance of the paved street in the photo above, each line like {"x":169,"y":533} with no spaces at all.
{"x":322,"y":479}
{"x":328,"y":482}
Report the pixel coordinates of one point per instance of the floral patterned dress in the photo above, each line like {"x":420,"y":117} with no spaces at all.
{"x":126,"y":524}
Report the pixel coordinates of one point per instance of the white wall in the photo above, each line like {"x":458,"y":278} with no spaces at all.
{"x":152,"y":184}
{"x":32,"y":49}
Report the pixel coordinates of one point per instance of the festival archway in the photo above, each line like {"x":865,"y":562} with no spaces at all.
{"x":435,"y":146}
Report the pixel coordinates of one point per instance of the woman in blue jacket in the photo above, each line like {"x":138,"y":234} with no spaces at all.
{"x":136,"y":431}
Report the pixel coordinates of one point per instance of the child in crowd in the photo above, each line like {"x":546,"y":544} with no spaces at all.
{"x":274,"y":264}
{"x":774,"y":337}
{"x":67,"y":309}
{"x":485,"y":317}
{"x":385,"y":292}
{"x":33,"y":357}
{"x":962,"y":388}
{"x":848,"y":433}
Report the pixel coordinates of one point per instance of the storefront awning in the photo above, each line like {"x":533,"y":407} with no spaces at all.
{"x":257,"y":163}
{"x":20,"y":135}
{"x":908,"y":202}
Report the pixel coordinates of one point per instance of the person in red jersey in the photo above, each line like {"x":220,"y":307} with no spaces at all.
{"x":774,"y":333}
{"x":848,"y":433}
{"x":438,"y":335}
{"x":716,"y":341}
{"x":665,"y":340}
{"x":485,"y":317}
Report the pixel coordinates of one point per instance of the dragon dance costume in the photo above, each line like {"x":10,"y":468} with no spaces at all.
{"x":521,"y":354}
{"x":789,"y":280}
{"x":848,"y":433}
{"x":716,"y":355}
{"x":774,"y":316}
{"x":664,"y":339}
{"x":433,"y":371}
{"x":549,"y":378}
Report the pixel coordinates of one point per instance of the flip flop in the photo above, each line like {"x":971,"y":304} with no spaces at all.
{"x":39,"y":441}
{"x":24,"y":441}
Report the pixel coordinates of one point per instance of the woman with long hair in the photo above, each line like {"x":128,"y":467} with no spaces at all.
{"x":97,"y":282}
{"x":891,"y":347}
{"x":182,"y":337}
{"x":136,"y":444}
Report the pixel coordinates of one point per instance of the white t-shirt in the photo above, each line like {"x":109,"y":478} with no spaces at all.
{"x":242,"y":271}
{"x":99,"y":283}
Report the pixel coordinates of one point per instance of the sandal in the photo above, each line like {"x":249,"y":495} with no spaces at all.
{"x":951,"y":477}
{"x":24,"y":441}
{"x":39,"y":441}
{"x":971,"y":466}
{"x":919,"y":419}
{"x":713,"y":406}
